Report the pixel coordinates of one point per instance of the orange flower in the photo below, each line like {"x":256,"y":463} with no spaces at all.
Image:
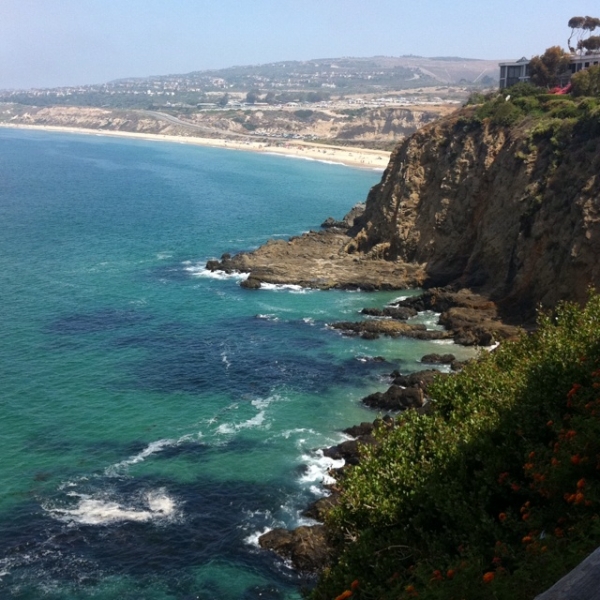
{"x":575,"y":459}
{"x":410,"y":589}
{"x":502,"y":477}
{"x":531,"y":455}
{"x":344,"y":595}
{"x":450,"y":574}
{"x":515,"y":487}
{"x":558,"y":532}
{"x":354,"y":584}
{"x":579,"y":498}
{"x":527,"y":539}
{"x":550,"y":423}
{"x":437,"y":575}
{"x":525,"y":516}
{"x":573,"y":390}
{"x":581,"y":484}
{"x":502,"y":517}
{"x":488,"y":577}
{"x":555,"y":462}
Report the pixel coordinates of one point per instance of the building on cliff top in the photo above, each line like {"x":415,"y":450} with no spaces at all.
{"x":517,"y":71}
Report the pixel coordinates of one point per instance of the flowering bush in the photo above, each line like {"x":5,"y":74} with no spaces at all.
{"x":496,"y":492}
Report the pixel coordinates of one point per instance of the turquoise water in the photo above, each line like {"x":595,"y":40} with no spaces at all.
{"x":156,"y":418}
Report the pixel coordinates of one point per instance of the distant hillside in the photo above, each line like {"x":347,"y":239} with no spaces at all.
{"x":312,"y":81}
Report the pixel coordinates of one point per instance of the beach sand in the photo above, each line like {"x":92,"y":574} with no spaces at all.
{"x":352,"y":157}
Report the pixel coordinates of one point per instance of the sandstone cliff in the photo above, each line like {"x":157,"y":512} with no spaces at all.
{"x":511,"y":211}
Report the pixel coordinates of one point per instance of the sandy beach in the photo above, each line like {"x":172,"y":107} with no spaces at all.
{"x":352,"y":157}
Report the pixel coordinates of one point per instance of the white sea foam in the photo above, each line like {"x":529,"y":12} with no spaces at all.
{"x":156,"y":504}
{"x":267,"y":317}
{"x":309,"y":320}
{"x":318,"y":466}
{"x":200,"y":270}
{"x":229,"y":428}
{"x":149,"y":450}
{"x":252,"y":539}
{"x":278,"y":287}
{"x":225,"y":360}
{"x":164,"y":255}
{"x":287,"y":434}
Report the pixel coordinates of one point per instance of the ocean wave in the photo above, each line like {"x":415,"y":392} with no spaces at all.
{"x":89,"y":510}
{"x":229,"y":428}
{"x":267,"y":317}
{"x":200,"y":270}
{"x":290,"y":287}
{"x":317,"y":468}
{"x":152,"y":448}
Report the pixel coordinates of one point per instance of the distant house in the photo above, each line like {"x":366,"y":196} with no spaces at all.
{"x":514,"y":72}
{"x":517,"y":71}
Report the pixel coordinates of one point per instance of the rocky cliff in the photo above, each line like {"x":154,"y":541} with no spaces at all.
{"x":513,"y":211}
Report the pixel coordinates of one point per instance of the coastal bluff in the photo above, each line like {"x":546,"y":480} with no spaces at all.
{"x":502,"y":210}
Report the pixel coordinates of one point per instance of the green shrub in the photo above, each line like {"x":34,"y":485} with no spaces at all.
{"x":528,"y":104}
{"x":525,"y":89}
{"x":587,"y":82}
{"x":496,"y":493}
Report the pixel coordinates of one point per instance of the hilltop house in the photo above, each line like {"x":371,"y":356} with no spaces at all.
{"x":514,"y":72}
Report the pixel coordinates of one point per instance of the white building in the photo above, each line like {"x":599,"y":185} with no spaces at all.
{"x":517,"y":71}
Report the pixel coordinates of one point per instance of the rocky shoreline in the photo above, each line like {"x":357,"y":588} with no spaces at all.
{"x":472,"y":320}
{"x":307,"y":548}
{"x":325,"y":260}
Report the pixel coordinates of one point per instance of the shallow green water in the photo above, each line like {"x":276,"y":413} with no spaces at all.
{"x":156,"y":418}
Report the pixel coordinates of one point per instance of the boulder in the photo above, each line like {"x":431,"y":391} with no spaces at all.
{"x":306,"y":547}
{"x":396,"y":398}
{"x":438,"y":359}
{"x":419,"y":379}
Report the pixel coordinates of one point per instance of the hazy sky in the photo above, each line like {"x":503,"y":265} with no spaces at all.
{"x":47,"y":43}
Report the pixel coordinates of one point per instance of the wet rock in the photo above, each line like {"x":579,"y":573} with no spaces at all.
{"x":396,"y":398}
{"x":402,"y":313}
{"x":306,"y":547}
{"x":318,"y":510}
{"x":349,"y":450}
{"x":361,"y":430}
{"x":251,"y":283}
{"x":419,"y":379}
{"x":392,"y":328}
{"x":438,"y":359}
{"x":473,"y":319}
{"x":351,"y":219}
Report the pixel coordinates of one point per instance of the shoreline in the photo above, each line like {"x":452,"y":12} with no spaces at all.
{"x":361,"y":158}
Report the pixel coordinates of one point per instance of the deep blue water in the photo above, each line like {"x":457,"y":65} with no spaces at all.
{"x":156,"y":419}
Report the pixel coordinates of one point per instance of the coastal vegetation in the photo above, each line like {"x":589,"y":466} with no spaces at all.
{"x":495,"y":491}
{"x":493,"y":494}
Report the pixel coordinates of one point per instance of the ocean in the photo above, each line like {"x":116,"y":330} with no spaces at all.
{"x":157,"y":418}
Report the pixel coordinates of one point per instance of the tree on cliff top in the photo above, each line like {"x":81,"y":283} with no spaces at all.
{"x":547,"y":70}
{"x":579,"y":27}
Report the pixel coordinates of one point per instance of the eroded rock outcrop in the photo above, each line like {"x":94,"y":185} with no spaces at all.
{"x":499,"y":210}
{"x":492,"y":208}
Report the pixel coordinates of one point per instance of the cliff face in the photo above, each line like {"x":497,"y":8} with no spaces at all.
{"x":511,"y":211}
